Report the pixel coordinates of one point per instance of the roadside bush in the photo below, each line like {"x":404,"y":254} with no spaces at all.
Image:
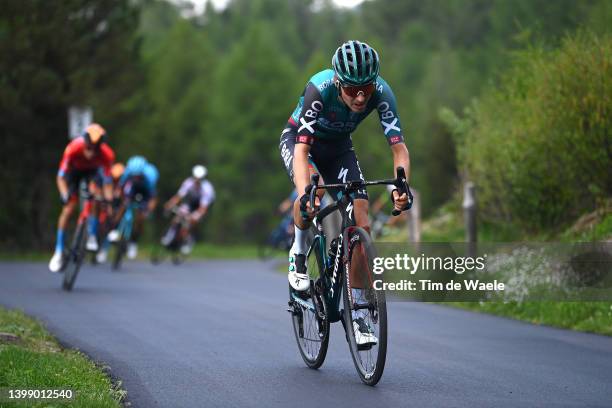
{"x":538,"y":145}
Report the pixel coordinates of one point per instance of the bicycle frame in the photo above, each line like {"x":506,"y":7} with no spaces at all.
{"x":86,"y":208}
{"x":85,"y":211}
{"x":181,"y":225}
{"x":332,"y":278}
{"x":127,"y":221}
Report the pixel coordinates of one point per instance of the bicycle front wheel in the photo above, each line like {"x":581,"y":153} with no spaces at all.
{"x":120,"y":250}
{"x":309,"y":312}
{"x":365,"y":309}
{"x":76,"y":256}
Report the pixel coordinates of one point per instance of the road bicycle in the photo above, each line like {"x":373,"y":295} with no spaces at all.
{"x":105,"y":222}
{"x":175,"y":245}
{"x":334,"y":274}
{"x":125,"y":228}
{"x":74,"y":256}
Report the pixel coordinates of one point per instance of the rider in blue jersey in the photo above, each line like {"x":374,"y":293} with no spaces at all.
{"x":318,"y":132}
{"x":138,"y":183}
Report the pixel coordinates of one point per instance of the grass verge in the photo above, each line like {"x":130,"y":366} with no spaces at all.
{"x":30,"y":358}
{"x":200,"y":251}
{"x":593,"y":317}
{"x":25,"y":256}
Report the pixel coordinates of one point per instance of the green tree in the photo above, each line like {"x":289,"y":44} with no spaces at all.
{"x":255,"y":91}
{"x":538,"y":146}
{"x":77,"y":52}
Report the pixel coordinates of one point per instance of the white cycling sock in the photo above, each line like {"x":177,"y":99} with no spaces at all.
{"x":358,"y":297}
{"x":299,"y":243}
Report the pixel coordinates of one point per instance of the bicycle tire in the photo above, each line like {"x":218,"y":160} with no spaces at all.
{"x":178,"y":258}
{"x":120,"y":249}
{"x":369,"y":360}
{"x":311,"y":328}
{"x":76,"y":256}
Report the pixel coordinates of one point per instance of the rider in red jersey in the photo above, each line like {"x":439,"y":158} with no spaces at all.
{"x":84,"y":158}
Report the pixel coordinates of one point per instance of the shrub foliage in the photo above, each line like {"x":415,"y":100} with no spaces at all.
{"x":539,"y":145}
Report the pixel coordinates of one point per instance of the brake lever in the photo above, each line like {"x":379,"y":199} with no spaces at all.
{"x":314,"y":181}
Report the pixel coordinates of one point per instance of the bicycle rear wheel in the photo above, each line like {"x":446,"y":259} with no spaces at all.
{"x":76,"y":256}
{"x":309,"y":312}
{"x":178,"y":258}
{"x":368,"y":308}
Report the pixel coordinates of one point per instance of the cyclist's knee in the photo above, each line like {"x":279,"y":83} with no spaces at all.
{"x":68,"y":209}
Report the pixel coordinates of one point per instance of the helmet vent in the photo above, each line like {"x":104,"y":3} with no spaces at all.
{"x":355,"y":63}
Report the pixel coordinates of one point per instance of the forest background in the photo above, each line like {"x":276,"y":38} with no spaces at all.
{"x":513,"y":95}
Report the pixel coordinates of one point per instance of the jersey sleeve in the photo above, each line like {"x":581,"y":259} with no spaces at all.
{"x":69,"y":153}
{"x":387,"y":113}
{"x":108,"y":158}
{"x":184,"y":188}
{"x":311,"y":107}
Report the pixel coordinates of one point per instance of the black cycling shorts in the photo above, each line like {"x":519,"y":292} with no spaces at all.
{"x":74,"y":178}
{"x":136,"y":189}
{"x":334,"y":160}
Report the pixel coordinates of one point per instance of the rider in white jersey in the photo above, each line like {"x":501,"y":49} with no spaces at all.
{"x":195,"y":196}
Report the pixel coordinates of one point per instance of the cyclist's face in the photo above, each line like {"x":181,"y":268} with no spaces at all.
{"x":356,"y":98}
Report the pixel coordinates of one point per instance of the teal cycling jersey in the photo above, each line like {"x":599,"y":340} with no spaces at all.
{"x":321,"y":113}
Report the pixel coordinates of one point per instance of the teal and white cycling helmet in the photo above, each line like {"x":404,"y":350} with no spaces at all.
{"x":356,"y":63}
{"x":136,"y":164}
{"x":199,"y":171}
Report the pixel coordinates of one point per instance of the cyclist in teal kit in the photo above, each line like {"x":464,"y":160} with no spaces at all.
{"x":318,"y":133}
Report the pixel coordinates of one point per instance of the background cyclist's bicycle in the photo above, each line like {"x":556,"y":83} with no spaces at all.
{"x":124,"y":230}
{"x":76,"y":252}
{"x":177,"y":241}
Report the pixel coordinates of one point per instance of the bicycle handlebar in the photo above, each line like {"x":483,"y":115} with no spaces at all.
{"x":399,"y":182}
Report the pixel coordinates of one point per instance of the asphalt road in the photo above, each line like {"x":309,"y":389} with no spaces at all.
{"x":216,"y":334}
